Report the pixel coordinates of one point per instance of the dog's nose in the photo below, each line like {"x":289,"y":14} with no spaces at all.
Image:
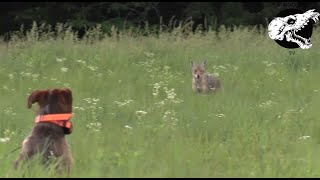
{"x":198,"y":76}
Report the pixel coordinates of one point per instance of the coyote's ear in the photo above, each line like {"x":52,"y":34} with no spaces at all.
{"x":204,"y":63}
{"x":192,"y":63}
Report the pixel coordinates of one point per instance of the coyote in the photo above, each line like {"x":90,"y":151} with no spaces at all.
{"x":203,"y":82}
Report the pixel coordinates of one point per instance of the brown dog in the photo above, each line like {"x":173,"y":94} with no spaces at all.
{"x":51,"y":125}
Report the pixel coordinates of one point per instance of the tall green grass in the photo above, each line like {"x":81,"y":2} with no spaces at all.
{"x":135,"y":114}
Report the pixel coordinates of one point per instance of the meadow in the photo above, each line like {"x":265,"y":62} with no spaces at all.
{"x":135,"y":114}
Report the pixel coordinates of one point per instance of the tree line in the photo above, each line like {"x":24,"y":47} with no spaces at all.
{"x":83,"y":15}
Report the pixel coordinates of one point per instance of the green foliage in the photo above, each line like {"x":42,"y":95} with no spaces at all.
{"x":135,"y":114}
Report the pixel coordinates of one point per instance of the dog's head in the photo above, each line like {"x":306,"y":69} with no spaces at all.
{"x":52,"y":101}
{"x":198,"y":69}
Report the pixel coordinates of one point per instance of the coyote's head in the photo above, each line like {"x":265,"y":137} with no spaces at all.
{"x":198,"y":69}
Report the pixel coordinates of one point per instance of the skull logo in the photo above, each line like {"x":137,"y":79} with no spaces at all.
{"x":288,"y":27}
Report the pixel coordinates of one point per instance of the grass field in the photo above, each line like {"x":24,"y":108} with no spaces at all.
{"x":135,"y":114}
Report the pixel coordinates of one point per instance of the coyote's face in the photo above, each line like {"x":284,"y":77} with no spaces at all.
{"x":198,"y":70}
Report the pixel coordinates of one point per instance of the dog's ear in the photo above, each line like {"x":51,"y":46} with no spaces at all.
{"x":66,"y":96}
{"x":37,"y":96}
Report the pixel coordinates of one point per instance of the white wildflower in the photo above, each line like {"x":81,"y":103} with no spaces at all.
{"x":9,"y":111}
{"x":110,"y":72}
{"x":35,"y":75}
{"x":270,"y":71}
{"x":78,"y":108}
{"x":64,"y":69}
{"x":60,"y":59}
{"x":149,"y":54}
{"x":4,"y":140}
{"x":25,"y":74}
{"x":8,"y":133}
{"x":170,"y":117}
{"x":11,"y":76}
{"x":221,"y":115}
{"x":80,"y":61}
{"x":92,"y":68}
{"x":95,"y":99}
{"x":126,"y":102}
{"x":161,"y":103}
{"x":51,"y":153}
{"x":266,"y":104}
{"x":304,"y":137}
{"x":99,"y":75}
{"x":166,"y":68}
{"x":140,"y":114}
{"x":29,"y":64}
{"x":171,"y":94}
{"x":216,"y":74}
{"x":95,"y":126}
{"x":5,"y":87}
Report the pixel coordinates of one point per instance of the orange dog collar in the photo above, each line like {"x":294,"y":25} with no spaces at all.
{"x":62,"y":120}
